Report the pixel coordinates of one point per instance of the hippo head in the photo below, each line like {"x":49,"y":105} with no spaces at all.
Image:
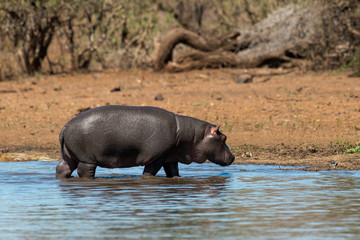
{"x":214,"y":148}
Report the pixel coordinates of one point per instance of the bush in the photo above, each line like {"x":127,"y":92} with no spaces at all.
{"x":64,"y":35}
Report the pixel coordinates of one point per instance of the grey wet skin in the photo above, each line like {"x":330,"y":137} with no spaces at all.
{"x":125,"y":136}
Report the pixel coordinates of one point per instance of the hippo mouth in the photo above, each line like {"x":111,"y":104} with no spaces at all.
{"x":227,"y":162}
{"x":232,"y":159}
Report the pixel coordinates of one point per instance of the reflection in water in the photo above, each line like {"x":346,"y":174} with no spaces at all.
{"x":209,"y":202}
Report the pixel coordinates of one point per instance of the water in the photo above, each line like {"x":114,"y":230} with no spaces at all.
{"x":209,"y":202}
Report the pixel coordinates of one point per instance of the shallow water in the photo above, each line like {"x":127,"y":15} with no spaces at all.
{"x":209,"y":202}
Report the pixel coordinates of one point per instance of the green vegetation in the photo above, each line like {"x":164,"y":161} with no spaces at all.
{"x":238,"y":148}
{"x":260,"y":125}
{"x":342,"y":146}
{"x":355,"y":149}
{"x":246,"y":148}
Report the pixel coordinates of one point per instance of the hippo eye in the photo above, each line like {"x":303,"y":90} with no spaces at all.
{"x":223,"y":138}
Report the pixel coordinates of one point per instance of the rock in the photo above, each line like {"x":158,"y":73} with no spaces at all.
{"x":333,"y":164}
{"x":244,"y":78}
{"x":217,"y":95}
{"x":247,"y":154}
{"x":116,"y":89}
{"x":159,"y":97}
{"x":59,"y":88}
{"x":80,"y":110}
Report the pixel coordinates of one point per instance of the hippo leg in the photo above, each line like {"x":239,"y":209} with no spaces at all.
{"x":171,"y":169}
{"x":86,"y":170}
{"x":64,"y":169}
{"x":153,"y":168}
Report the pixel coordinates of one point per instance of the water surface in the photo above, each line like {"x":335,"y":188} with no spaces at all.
{"x":208,"y":202}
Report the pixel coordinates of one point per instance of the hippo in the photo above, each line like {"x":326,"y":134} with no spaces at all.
{"x":125,"y":136}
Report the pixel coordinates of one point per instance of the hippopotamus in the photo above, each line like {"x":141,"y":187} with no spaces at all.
{"x":126,"y":136}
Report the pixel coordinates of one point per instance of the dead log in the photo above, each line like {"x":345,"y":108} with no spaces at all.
{"x":209,"y":54}
{"x":220,"y":58}
{"x":274,"y":42}
{"x":192,"y":39}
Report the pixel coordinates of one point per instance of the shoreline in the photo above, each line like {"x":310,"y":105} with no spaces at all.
{"x":254,"y":155}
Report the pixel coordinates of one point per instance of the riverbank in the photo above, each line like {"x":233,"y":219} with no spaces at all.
{"x":280,"y":118}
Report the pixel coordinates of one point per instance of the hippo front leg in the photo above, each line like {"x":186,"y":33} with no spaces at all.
{"x":86,"y":170}
{"x":171,"y":169}
{"x":153,"y":168}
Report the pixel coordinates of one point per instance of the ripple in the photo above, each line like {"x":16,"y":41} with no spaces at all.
{"x":211,"y":202}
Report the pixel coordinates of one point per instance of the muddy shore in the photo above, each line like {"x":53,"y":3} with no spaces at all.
{"x":296,"y":119}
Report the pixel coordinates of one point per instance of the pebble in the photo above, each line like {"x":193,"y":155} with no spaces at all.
{"x":245,"y":78}
{"x":159,"y":97}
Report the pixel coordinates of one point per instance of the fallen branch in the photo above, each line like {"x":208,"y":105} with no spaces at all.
{"x":194,"y":40}
{"x":274,"y":42}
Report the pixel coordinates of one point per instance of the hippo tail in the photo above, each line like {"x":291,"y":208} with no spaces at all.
{"x":62,"y":141}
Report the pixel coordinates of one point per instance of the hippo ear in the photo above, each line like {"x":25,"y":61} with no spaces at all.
{"x":214,"y":130}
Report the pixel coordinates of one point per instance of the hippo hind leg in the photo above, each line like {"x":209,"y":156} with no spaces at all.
{"x":64,"y":169}
{"x":67,"y":164}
